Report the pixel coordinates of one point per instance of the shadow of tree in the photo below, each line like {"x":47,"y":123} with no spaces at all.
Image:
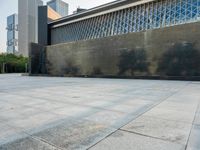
{"x":97,"y":71}
{"x":182,"y":59}
{"x":71,"y":69}
{"x":133,"y":61}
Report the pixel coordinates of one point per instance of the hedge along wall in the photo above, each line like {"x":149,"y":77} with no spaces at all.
{"x":172,"y":51}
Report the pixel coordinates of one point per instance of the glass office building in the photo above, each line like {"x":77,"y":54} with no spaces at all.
{"x":12,"y":34}
{"x":28,"y":24}
{"x":59,"y":6}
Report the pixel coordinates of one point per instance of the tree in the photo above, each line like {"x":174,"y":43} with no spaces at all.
{"x":13,"y":63}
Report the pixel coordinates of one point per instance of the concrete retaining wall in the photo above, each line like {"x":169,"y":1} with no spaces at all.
{"x":107,"y":56}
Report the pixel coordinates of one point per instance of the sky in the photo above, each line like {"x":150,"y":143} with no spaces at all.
{"x":9,"y":7}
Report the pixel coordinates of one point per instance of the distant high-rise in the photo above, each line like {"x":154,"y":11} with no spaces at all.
{"x":28,"y":24}
{"x":52,"y":14}
{"x":79,"y":10}
{"x":59,"y":6}
{"x":12,"y":34}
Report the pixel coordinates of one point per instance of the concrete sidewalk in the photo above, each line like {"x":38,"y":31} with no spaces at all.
{"x":43,"y":113}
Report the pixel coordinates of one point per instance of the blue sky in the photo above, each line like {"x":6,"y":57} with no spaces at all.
{"x":9,"y":7}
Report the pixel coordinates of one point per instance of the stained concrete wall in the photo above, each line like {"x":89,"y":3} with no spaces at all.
{"x":37,"y":59}
{"x":102,"y":56}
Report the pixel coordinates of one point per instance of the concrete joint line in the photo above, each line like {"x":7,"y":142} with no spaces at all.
{"x":144,"y":135}
{"x":193,"y":122}
{"x":46,"y":142}
{"x":154,"y":105}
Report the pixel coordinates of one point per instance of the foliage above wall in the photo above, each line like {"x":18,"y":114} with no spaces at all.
{"x":182,"y":59}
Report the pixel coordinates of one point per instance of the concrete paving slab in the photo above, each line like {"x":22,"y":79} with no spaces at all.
{"x":177,"y":106}
{"x":194,"y":140}
{"x":136,"y":101}
{"x":72,"y":110}
{"x":49,"y":106}
{"x":128,"y":141}
{"x":97,"y":103}
{"x":27,"y":143}
{"x":108,"y":118}
{"x":125,"y":108}
{"x":8,"y":134}
{"x":187,"y":95}
{"x":79,"y":134}
{"x":16,"y":99}
{"x":10,"y":114}
{"x":6,"y":131}
{"x":10,"y":106}
{"x":20,"y":111}
{"x":34,"y":121}
{"x":173,"y":131}
{"x":197,"y":119}
{"x":192,"y":148}
{"x":77,"y":113}
{"x":198,"y":111}
{"x":172,"y":115}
